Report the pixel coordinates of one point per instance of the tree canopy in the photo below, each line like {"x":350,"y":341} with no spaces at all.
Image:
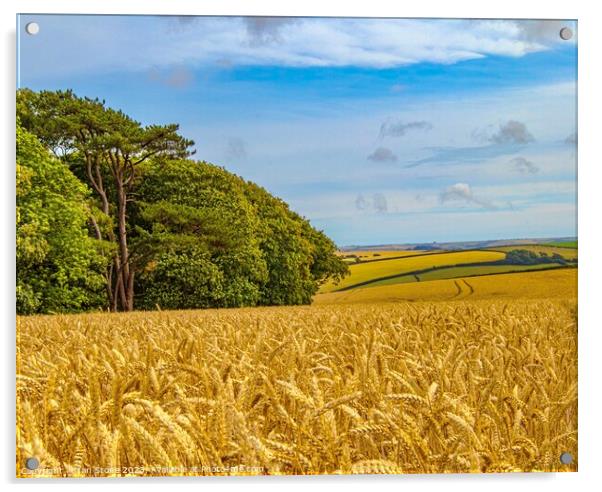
{"x":156,"y":228}
{"x":58,"y":265}
{"x":107,"y":147}
{"x":527,"y":257}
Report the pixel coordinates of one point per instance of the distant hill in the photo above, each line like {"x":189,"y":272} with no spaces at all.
{"x":458,"y":245}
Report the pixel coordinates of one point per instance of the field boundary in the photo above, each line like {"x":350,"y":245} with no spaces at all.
{"x":518,"y":246}
{"x":426,"y":270}
{"x":446,"y":252}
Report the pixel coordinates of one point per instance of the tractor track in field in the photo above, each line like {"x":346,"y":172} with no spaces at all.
{"x":416,"y":273}
{"x":464,"y":289}
{"x":457,"y":284}
{"x":470,"y":288}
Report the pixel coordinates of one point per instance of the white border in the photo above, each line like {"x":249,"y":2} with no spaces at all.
{"x":590,"y":240}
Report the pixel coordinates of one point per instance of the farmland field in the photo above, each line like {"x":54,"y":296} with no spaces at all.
{"x":363,"y":272}
{"x":566,"y":252}
{"x":556,"y":283}
{"x":486,"y":383}
{"x":461,"y":271}
{"x":375,"y":255}
{"x":466,"y":374}
{"x":565,"y":244}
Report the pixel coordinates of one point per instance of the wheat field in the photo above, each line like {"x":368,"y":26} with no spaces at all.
{"x":362,"y":272}
{"x":434,"y":387}
{"x":560,"y":283}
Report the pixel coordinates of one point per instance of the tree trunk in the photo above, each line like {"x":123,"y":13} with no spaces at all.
{"x":130,"y":291}
{"x":119,"y":297}
{"x":115,"y":293}
{"x":126,"y":275}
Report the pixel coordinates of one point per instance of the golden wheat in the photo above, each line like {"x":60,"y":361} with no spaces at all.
{"x":466,"y":386}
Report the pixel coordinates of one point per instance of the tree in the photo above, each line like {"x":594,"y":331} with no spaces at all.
{"x":186,"y":280}
{"x":177,"y":233}
{"x":105,"y":148}
{"x":58,"y":264}
{"x":299,"y":258}
{"x":527,"y":257}
{"x":193,"y":209}
{"x":195,"y":214}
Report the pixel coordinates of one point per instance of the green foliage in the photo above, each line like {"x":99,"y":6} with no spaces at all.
{"x":186,"y":280}
{"x":527,"y":257}
{"x":192,"y":206}
{"x":265,"y":253}
{"x":299,"y":258}
{"x":70,"y":125}
{"x":173,"y":233}
{"x":104,"y":148}
{"x":57,"y":263}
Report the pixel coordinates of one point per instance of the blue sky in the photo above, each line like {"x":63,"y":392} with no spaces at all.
{"x":377,"y":130}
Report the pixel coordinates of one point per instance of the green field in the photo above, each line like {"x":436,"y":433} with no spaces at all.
{"x":388,"y":268}
{"x":565,"y":244}
{"x":462,"y":271}
{"x":565,"y":251}
{"x":364,"y":272}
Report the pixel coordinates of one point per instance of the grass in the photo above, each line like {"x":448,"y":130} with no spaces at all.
{"x":565,"y":244}
{"x":363,"y":272}
{"x":483,"y":385}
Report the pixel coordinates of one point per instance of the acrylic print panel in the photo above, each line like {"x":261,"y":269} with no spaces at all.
{"x":262,"y":246}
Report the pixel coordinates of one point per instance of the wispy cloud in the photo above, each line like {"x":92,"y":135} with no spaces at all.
{"x":453,"y":155}
{"x":399,"y":128}
{"x":540,"y":31}
{"x":512,"y":132}
{"x":382,"y":154}
{"x":139,"y":43}
{"x":266,"y":30}
{"x":524,"y":166}
{"x":462,"y":192}
{"x":380,"y":203}
{"x":360,"y":202}
{"x":509,"y":132}
{"x":376,"y":203}
{"x":571,"y":139}
{"x":504,"y":139}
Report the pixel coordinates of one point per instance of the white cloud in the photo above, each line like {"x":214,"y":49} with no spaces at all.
{"x":462,"y":192}
{"x":359,"y":42}
{"x":80,"y":43}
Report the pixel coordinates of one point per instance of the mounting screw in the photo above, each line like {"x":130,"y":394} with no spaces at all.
{"x":32,"y":28}
{"x":32,"y":463}
{"x":566,"y":33}
{"x":566,"y":458}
